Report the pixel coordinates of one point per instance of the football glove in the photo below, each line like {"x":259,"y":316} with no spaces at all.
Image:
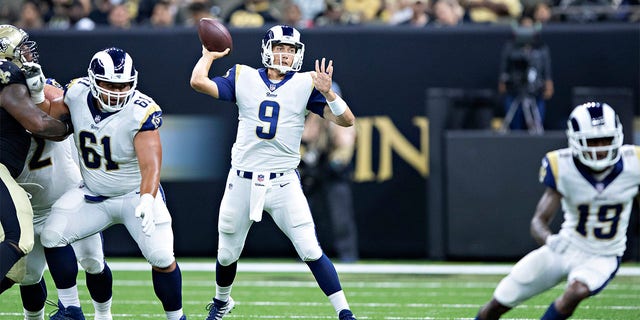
{"x":144,"y":210}
{"x":557,"y":243}
{"x":35,"y":81}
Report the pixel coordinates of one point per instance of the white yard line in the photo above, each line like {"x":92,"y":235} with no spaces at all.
{"x":401,"y":268}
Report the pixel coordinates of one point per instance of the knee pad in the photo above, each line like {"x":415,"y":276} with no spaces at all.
{"x":309,"y":251}
{"x":51,"y":239}
{"x":161,"y":258}
{"x":18,"y":271}
{"x":226,"y":257}
{"x":91,"y":265}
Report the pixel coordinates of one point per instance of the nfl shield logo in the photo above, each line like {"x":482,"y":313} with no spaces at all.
{"x":260,"y":177}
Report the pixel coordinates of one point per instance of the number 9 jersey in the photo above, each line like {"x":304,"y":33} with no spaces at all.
{"x":107,"y":156}
{"x":596,"y":207}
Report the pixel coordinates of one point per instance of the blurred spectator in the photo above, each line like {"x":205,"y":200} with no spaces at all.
{"x":252,"y":14}
{"x":119,"y":17}
{"x":9,"y":11}
{"x":326,"y":173}
{"x":59,"y":16}
{"x":362,"y":11}
{"x":333,"y":15}
{"x":197,"y":10}
{"x":30,"y":16}
{"x":447,"y":13}
{"x":78,"y":17}
{"x":309,"y":9}
{"x":419,"y":14}
{"x":163,"y":15}
{"x":292,"y":16}
{"x":394,"y":12}
{"x":541,"y":12}
{"x":100,"y":12}
{"x":493,"y":11}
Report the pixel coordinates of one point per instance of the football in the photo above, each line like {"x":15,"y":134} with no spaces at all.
{"x":54,"y":104}
{"x":214,"y":35}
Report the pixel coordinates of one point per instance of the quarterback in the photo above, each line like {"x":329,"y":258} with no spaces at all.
{"x":272,"y":104}
{"x":120,"y":155}
{"x":595,"y":180}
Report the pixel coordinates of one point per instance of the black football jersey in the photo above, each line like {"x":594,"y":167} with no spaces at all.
{"x":14,"y":139}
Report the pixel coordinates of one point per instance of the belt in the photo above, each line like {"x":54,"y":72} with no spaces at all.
{"x":249,"y":175}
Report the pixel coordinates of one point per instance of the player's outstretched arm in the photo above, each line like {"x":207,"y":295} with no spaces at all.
{"x":16,"y":100}
{"x":337,"y":110}
{"x":546,"y":209}
{"x":200,"y":80}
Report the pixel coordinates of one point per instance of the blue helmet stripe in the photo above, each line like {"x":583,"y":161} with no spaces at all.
{"x":287,"y":31}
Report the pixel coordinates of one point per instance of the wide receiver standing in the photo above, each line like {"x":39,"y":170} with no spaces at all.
{"x":120,"y":156}
{"x":272,"y":105}
{"x":595,"y":180}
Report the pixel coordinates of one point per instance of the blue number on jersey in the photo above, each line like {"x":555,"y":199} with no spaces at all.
{"x":90,"y":156}
{"x":606,"y":213}
{"x":268,"y":112}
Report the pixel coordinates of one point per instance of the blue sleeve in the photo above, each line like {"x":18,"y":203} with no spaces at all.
{"x":546,"y":174}
{"x":227,"y":85}
{"x":153,"y":121}
{"x":316,"y":102}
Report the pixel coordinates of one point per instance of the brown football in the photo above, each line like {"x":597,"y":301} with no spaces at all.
{"x":54,"y":105}
{"x":214,"y":35}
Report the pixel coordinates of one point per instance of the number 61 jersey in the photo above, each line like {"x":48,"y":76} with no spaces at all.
{"x":107,"y":157}
{"x":596,"y":211}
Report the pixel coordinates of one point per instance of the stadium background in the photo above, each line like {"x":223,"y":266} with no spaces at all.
{"x":421,"y":191}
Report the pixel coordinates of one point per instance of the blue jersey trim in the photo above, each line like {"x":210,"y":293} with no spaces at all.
{"x":588,"y":174}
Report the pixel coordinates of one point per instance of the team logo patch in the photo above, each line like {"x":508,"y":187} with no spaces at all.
{"x":260,"y":177}
{"x":4,"y":45}
{"x":272,"y":87}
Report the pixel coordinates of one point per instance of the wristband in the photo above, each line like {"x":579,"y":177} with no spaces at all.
{"x":37,"y":97}
{"x":337,"y":106}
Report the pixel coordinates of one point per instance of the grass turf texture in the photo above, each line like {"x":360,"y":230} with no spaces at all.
{"x":295,"y":295}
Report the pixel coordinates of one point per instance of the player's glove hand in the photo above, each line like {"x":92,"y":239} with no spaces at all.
{"x":557,"y":243}
{"x":35,"y":81}
{"x":144,"y":210}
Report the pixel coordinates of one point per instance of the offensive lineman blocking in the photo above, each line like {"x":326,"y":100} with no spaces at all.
{"x":120,"y":153}
{"x":272,"y":105}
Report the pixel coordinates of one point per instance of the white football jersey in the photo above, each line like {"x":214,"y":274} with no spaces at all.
{"x":50,"y":170}
{"x":107,"y":157}
{"x":596,"y":212}
{"x":263,"y":108}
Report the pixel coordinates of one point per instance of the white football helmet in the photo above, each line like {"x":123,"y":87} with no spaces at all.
{"x":16,"y":47}
{"x":595,"y":120}
{"x":282,"y":34}
{"x":116,"y":66}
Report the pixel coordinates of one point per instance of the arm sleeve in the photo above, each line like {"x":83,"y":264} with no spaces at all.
{"x":227,"y":85}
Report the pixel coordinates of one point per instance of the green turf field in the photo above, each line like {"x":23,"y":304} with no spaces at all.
{"x":294,"y":295}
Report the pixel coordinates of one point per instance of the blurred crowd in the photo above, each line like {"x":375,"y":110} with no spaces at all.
{"x":123,"y":14}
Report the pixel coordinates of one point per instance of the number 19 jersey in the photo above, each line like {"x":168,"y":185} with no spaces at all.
{"x":596,"y":211}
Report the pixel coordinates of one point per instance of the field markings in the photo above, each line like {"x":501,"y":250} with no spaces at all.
{"x":400,"y":268}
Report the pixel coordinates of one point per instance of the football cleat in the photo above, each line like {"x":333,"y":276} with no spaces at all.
{"x":346,"y":315}
{"x":68,"y":313}
{"x":217,"y":309}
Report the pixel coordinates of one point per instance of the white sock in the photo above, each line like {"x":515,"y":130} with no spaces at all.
{"x":102,"y":310}
{"x":174,"y":315}
{"x":339,"y":301}
{"x":34,"y":315}
{"x":223,"y":293}
{"x":69,"y":297}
